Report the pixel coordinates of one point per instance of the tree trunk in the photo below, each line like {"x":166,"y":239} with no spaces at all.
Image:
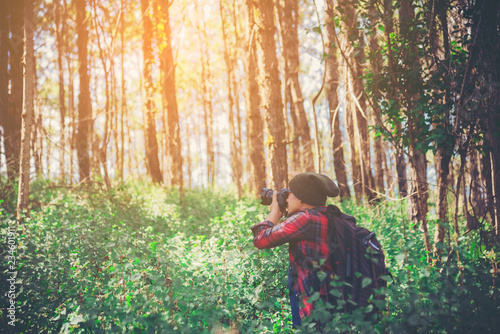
{"x":102,"y":150}
{"x":289,"y":17}
{"x":206,"y":78}
{"x":71,"y":107}
{"x":207,"y":105}
{"x":12,"y":121}
{"x":486,"y":176}
{"x":35,"y":147}
{"x":234,"y":56}
{"x":169,"y":92}
{"x":84,"y":103}
{"x":491,"y":63}
{"x":443,"y":154}
{"x":442,"y":158}
{"x":255,"y":122}
{"x":271,"y":92}
{"x":4,"y":64}
{"x":236,"y":167}
{"x":375,"y":57}
{"x":332,"y":83}
{"x":410,"y":76}
{"x":123,"y":104}
{"x":355,"y":167}
{"x":28,"y":110}
{"x":189,"y":160}
{"x":361,"y":114}
{"x":150,"y":135}
{"x":60,"y":30}
{"x":392,"y":96}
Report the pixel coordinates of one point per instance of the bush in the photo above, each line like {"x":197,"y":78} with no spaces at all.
{"x":134,"y":259}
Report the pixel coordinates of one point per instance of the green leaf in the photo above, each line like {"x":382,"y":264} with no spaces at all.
{"x":321,"y":275}
{"x":336,"y":293}
{"x":314,"y":297}
{"x":365,"y":282}
{"x":400,"y":257}
{"x":77,"y":319}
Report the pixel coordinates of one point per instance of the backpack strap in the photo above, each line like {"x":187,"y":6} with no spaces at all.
{"x":331,"y":212}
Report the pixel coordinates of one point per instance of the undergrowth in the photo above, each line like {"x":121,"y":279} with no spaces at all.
{"x":135,"y":259}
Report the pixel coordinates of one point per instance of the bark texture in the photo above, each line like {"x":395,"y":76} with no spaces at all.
{"x":288,"y":17}
{"x":409,"y":77}
{"x":84,"y":103}
{"x":170,"y":98}
{"x":28,"y":110}
{"x":360,"y":110}
{"x":332,"y":80}
{"x":271,"y":92}
{"x":236,"y":168}
{"x":150,"y":131}
{"x":254,"y":118}
{"x":392,"y":96}
{"x":12,"y":121}
{"x":4,"y":63}
{"x":60,"y":30}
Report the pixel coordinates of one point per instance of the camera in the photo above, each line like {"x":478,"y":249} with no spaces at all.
{"x":267,"y":198}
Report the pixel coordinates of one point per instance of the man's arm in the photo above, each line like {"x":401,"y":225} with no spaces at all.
{"x":267,"y":235}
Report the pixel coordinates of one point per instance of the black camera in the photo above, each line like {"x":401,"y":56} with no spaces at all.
{"x":267,"y":198}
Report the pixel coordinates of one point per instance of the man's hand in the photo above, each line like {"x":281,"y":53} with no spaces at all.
{"x":275,"y":213}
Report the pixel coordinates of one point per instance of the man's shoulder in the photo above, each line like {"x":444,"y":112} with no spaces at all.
{"x":317,"y":210}
{"x":309,"y":213}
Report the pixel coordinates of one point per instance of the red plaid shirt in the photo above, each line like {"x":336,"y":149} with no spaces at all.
{"x":306,"y":233}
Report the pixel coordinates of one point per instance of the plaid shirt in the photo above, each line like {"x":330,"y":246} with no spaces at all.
{"x":306,"y":233}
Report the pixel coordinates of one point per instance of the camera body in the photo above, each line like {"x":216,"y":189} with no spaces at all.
{"x":267,"y":197}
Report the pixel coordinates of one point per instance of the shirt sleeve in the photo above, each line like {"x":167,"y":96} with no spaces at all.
{"x":266,"y":235}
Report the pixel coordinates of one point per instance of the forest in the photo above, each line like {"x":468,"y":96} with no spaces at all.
{"x":137,"y":136}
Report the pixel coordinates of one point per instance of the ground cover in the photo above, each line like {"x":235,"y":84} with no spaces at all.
{"x":135,"y":260}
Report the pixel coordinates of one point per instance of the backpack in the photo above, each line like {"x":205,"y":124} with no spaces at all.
{"x":357,"y":260}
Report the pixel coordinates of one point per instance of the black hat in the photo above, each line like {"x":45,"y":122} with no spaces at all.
{"x":313,"y":188}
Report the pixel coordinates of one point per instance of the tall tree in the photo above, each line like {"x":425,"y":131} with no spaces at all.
{"x":411,"y":79}
{"x":360,"y":114}
{"x":236,"y":168}
{"x":375,"y":57}
{"x":289,"y":21}
{"x":392,"y":95}
{"x":84,"y":103}
{"x":103,"y":148}
{"x":12,"y":116}
{"x":445,"y":149}
{"x":255,"y":122}
{"x":170,"y":98}
{"x":123,"y":101}
{"x":28,"y":108}
{"x":60,"y":30}
{"x":485,"y":59}
{"x":332,"y":80}
{"x":354,"y":146}
{"x":4,"y":63}
{"x":150,"y":135}
{"x":206,"y":79}
{"x":271,"y":91}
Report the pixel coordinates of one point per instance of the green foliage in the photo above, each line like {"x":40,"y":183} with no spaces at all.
{"x":133,"y":259}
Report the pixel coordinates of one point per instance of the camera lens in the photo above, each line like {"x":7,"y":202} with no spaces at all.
{"x":266,"y":196}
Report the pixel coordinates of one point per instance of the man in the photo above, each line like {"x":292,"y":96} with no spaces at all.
{"x":306,"y":232}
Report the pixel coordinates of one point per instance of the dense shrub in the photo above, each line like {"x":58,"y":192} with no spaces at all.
{"x":135,"y":259}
